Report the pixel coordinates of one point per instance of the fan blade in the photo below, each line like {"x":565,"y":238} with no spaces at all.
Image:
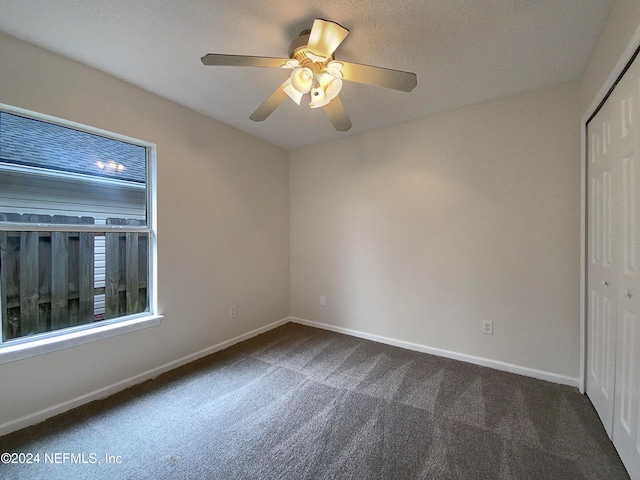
{"x":269,"y":105}
{"x":338,"y":115}
{"x":217,"y":59}
{"x":325,"y":37}
{"x":381,"y":77}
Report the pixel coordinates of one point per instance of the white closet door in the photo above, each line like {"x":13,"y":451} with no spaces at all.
{"x":602,"y":258}
{"x":626,"y":422}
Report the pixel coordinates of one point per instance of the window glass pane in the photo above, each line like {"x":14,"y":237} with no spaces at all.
{"x":49,"y":169}
{"x":55,"y":280}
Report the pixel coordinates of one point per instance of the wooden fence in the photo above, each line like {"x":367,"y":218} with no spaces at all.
{"x":48,"y":278}
{"x":126,"y":270}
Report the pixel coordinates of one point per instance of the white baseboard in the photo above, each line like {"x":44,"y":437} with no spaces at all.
{"x":485,"y":362}
{"x":39,"y":416}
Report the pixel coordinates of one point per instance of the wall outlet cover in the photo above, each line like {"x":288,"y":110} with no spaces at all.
{"x":487,"y":327}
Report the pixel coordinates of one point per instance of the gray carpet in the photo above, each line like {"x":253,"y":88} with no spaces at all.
{"x":303,"y":403}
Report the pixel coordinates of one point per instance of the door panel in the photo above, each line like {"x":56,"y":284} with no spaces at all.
{"x":626,"y":425}
{"x":603,"y":253}
{"x":595,"y":207}
{"x":630,"y":215}
{"x":605,"y":352}
{"x":627,"y":368}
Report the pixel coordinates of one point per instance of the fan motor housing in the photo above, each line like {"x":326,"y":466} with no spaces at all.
{"x":298,"y":48}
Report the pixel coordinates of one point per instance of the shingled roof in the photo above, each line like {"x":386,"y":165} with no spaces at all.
{"x":29,"y":142}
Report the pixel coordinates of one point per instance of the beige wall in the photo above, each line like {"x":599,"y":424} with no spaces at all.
{"x":420,"y":231}
{"x":223,"y":228}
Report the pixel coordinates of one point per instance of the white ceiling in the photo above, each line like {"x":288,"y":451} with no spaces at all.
{"x":463,"y":51}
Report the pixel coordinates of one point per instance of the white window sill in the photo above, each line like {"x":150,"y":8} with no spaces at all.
{"x":18,"y":351}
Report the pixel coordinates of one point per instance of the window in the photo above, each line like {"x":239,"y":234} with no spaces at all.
{"x":77,"y":241}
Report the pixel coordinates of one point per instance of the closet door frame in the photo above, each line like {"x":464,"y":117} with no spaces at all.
{"x":618,"y":71}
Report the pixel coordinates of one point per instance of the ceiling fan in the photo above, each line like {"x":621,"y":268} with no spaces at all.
{"x":315,"y":71}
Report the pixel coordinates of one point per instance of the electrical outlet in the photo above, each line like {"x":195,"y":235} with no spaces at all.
{"x":487,"y":327}
{"x":232,"y":311}
{"x":323,"y":300}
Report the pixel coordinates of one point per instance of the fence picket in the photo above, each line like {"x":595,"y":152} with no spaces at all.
{"x":112,"y":270}
{"x":29,"y":315}
{"x":143,"y":277}
{"x":86,"y":278}
{"x":10,"y":267}
{"x":131,"y":262}
{"x":60,"y":276}
{"x":74,"y":278}
{"x":44,"y":277}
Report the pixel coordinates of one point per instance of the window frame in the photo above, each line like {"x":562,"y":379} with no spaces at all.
{"x":29,"y":346}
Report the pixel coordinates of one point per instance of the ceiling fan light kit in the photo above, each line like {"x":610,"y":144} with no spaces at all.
{"x":315,"y":71}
